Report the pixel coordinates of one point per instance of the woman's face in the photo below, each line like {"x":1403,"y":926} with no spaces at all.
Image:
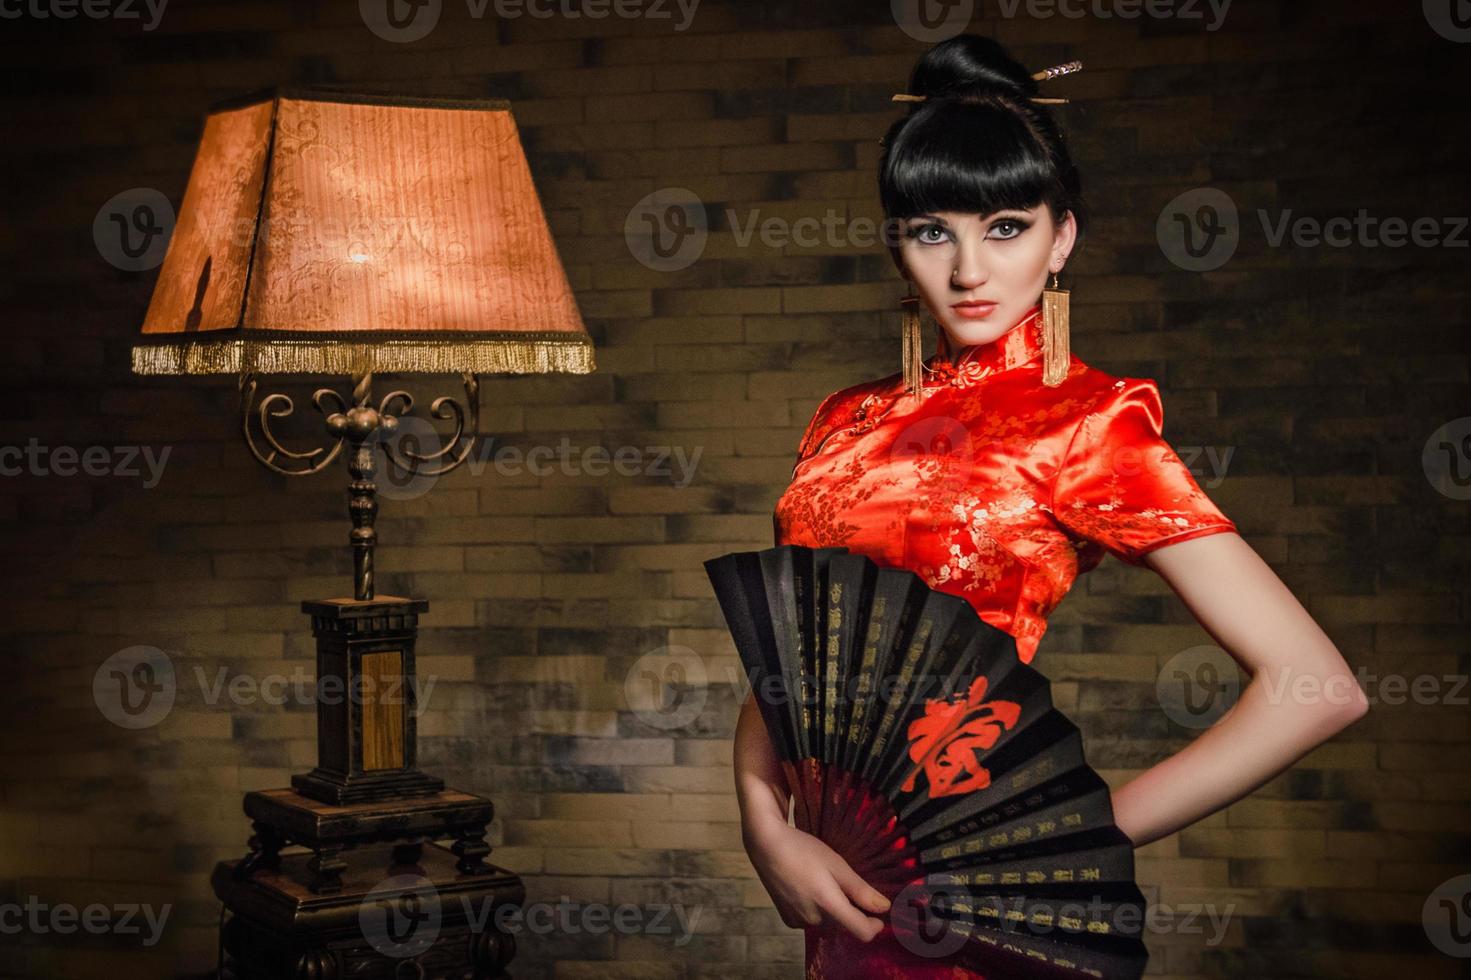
{"x":1002,"y":260}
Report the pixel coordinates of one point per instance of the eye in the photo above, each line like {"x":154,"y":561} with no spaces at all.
{"x":1016,"y":225}
{"x":919,"y":233}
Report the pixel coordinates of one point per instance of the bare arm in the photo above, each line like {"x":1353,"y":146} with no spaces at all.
{"x":760,"y":789}
{"x":808,"y":881}
{"x":1277,"y":720}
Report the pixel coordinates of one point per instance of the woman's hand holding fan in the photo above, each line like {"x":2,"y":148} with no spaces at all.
{"x":927,"y":770}
{"x":809,"y":881}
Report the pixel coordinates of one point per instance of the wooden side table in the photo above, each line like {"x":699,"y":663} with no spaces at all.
{"x":423,"y":921}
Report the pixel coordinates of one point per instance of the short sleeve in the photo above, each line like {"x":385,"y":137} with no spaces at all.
{"x":812,"y":434}
{"x":1121,"y":486}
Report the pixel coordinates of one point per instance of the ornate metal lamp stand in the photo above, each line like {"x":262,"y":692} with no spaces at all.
{"x":366,"y":812}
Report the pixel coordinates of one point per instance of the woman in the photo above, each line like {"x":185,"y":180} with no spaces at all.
{"x":1010,"y":469}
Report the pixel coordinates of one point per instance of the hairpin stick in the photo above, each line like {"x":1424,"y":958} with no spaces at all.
{"x":920,"y":98}
{"x":1066,"y":68}
{"x":1046,"y":74}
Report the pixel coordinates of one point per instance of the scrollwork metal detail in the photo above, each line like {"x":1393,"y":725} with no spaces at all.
{"x":361,"y":426}
{"x":280,"y":406}
{"x":443,"y":407}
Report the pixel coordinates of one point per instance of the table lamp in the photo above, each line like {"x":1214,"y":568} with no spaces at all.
{"x":348,"y":234}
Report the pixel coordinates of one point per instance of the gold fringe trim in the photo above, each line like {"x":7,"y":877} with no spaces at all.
{"x":318,"y":357}
{"x":1056,"y":344}
{"x":911,"y":346}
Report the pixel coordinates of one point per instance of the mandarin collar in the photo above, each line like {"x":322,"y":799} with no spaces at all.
{"x":1021,"y":344}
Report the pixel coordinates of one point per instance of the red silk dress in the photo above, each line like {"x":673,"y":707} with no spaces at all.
{"x":997,"y":489}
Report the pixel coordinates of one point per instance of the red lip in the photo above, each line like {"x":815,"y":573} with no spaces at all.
{"x":974,"y":310}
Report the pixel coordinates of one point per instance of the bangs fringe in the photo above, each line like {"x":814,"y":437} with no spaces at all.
{"x":970,"y":158}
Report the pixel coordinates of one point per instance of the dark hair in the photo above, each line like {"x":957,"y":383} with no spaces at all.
{"x":977,"y":143}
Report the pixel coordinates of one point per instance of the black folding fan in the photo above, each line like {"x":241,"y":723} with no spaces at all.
{"x":918,"y":746}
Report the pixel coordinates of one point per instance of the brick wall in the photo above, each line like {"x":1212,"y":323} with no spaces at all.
{"x":1324,"y":370}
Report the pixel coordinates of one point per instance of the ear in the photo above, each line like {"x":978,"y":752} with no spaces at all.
{"x":1064,"y":238}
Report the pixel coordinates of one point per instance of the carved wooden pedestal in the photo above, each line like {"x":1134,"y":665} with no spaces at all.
{"x":283,"y":817}
{"x":367,"y":701}
{"x":424,"y":921}
{"x":374,"y":895}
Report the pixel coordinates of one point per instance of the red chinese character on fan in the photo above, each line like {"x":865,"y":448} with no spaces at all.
{"x":948,"y":740}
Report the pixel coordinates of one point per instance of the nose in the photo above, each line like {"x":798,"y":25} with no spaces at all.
{"x":970,"y":266}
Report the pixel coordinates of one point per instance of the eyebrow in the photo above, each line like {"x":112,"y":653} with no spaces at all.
{"x":1004,"y":212}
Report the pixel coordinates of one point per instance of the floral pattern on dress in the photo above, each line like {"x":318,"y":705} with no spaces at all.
{"x":820,"y":507}
{"x":992,"y":486}
{"x":1123,"y":488}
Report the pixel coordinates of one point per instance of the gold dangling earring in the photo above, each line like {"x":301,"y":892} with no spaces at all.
{"x":1055,"y":335}
{"x":912,"y":343}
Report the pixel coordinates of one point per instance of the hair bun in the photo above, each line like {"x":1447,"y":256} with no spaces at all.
{"x":970,"y":64}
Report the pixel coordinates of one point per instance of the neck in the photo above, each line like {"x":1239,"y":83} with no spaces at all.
{"x":1021,"y":342}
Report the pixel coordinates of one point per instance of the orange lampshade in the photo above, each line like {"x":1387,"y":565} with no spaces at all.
{"x":337,"y":233}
